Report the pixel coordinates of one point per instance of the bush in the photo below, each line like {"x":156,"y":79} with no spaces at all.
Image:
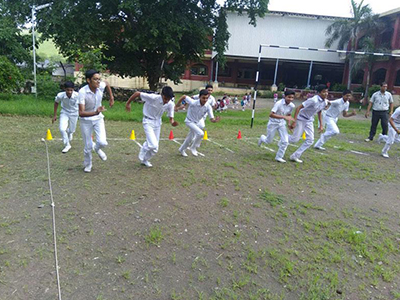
{"x":46,"y":86}
{"x":374,"y":88}
{"x":359,"y":89}
{"x":337,"y":87}
{"x":11,"y":79}
{"x":281,"y":86}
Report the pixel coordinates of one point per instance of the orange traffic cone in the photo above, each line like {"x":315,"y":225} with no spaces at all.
{"x":171,"y":135}
{"x":239,"y":135}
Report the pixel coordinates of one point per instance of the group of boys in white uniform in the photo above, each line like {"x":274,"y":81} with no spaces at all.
{"x":303,"y":121}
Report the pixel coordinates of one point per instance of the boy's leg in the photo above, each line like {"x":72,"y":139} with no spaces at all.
{"x":101,"y":139}
{"x":309,"y":130}
{"x":188,"y":140}
{"x":283,"y":143}
{"x":86,"y":129}
{"x":271,"y":130}
{"x":385,"y":122}
{"x":198,"y":135}
{"x":73,"y":120}
{"x":331,"y":130}
{"x":150,"y":147}
{"x":374,"y":124}
{"x":297,"y":132}
{"x":63,"y":128}
{"x":389,"y":142}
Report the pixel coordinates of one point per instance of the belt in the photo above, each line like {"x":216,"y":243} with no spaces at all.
{"x":146,"y":117}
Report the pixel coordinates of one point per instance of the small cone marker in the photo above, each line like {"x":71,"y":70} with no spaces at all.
{"x":304,"y":135}
{"x":171,"y":135}
{"x":132,"y":137}
{"x":205,"y":135}
{"x":48,"y":135}
{"x":239,"y":135}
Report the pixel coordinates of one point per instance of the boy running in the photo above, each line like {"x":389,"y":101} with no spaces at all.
{"x":394,"y":132}
{"x":68,"y":115}
{"x":331,"y":117}
{"x":280,"y":114}
{"x":154,"y":107}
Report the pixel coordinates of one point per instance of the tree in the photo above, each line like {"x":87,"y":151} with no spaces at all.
{"x":346,"y":31}
{"x":144,"y":37}
{"x":10,"y":77}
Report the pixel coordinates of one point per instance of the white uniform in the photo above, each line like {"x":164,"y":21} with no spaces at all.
{"x":332,"y":114}
{"x":211,"y":100}
{"x":92,"y":102}
{"x":393,"y":135}
{"x":305,"y":123}
{"x":282,"y":109}
{"x":68,"y":115}
{"x":194,"y":116}
{"x":153,"y":110}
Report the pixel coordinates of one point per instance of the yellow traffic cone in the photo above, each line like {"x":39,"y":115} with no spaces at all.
{"x":48,"y":135}
{"x":205,"y":135}
{"x":133,"y":137}
{"x":304,"y":135}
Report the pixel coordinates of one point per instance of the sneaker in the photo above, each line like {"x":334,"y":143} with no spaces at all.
{"x":320,"y":148}
{"x":295,"y":159}
{"x":146,"y":163}
{"x":88,"y":169}
{"x":385,"y":155}
{"x":184,"y":154}
{"x":260,"y":140}
{"x":281,"y":160}
{"x":102,"y":155}
{"x":94,"y":147}
{"x":66,"y":148}
{"x":368,"y":140}
{"x":70,"y":136}
{"x":194,"y":152}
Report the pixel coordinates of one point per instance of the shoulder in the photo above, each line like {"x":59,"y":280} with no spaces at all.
{"x":61,"y":95}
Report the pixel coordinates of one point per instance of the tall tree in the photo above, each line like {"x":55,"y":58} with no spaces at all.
{"x":140,"y":36}
{"x":346,"y":31}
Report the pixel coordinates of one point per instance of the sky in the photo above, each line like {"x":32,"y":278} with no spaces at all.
{"x":339,"y":8}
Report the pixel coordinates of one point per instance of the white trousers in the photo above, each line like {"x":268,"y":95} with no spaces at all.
{"x":87,"y":128}
{"x":194,"y":137}
{"x":284,"y":141}
{"x":391,"y":138}
{"x":308,"y":128}
{"x":67,"y":126}
{"x":150,"y":146}
{"x":331,"y":130}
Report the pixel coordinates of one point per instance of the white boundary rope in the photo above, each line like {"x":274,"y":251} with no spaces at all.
{"x":54,"y":223}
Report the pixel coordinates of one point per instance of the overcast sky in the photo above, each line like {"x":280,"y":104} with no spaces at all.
{"x":339,"y":8}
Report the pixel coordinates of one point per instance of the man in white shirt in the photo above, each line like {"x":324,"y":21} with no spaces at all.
{"x":280,"y":114}
{"x":381,"y":103}
{"x":154,"y":107}
{"x":394,"y":132}
{"x":68,"y":114}
{"x":304,"y":121}
{"x":91,"y":117}
{"x":337,"y":107}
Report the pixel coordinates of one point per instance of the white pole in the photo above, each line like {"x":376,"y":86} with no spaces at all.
{"x":216,"y":73}
{"x":34,"y":50}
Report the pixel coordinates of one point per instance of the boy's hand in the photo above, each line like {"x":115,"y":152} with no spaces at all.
{"x":101,"y":109}
{"x":111,"y":102}
{"x":175,"y":123}
{"x":128,"y":107}
{"x":289,"y":118}
{"x":321,"y":129}
{"x":54,"y":119}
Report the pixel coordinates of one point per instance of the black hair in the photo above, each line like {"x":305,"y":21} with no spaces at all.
{"x":203,"y":93}
{"x":383,"y":83}
{"x":90,"y":73}
{"x":321,"y":87}
{"x":69,"y":85}
{"x":167,"y":92}
{"x":209,"y":86}
{"x":289,"y":92}
{"x":345,"y":92}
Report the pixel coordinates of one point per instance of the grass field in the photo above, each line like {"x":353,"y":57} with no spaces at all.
{"x":225,"y":226}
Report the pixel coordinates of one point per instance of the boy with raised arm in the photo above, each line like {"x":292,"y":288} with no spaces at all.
{"x":280,"y":114}
{"x":154,"y":107}
{"x":196,"y":111}
{"x":304,"y":121}
{"x":68,"y":115}
{"x":337,"y":107}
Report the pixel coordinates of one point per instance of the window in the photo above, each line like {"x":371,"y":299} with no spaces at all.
{"x":200,"y":70}
{"x":379,"y":76}
{"x":359,"y":77}
{"x":226,"y":72}
{"x":246,"y":74}
{"x":397,"y":81}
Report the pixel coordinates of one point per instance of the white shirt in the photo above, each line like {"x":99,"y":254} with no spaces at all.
{"x":396,"y":116}
{"x":92,"y":101}
{"x":211,"y":101}
{"x":337,"y":107}
{"x":68,"y":105}
{"x":282,"y":109}
{"x":196,"y":112}
{"x":154,"y":108}
{"x":311,"y":107}
{"x":380,"y":102}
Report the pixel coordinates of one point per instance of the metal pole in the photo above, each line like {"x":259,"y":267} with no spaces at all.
{"x":256,"y":86}
{"x":309,"y":74}
{"x":216,"y":72}
{"x":276,"y":70}
{"x":34,"y":49}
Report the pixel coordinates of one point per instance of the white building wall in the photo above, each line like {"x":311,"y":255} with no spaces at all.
{"x":283,"y":30}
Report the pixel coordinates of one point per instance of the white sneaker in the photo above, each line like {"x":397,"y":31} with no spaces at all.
{"x":260,"y":140}
{"x":281,"y":160}
{"x":320,"y":148}
{"x":295,"y":159}
{"x":94,"y":147}
{"x":194,"y":152}
{"x":367,"y":140}
{"x":66,"y":148}
{"x":102,"y":155}
{"x":385,"y":155}
{"x":88,"y":169}
{"x":184,"y":154}
{"x":70,"y":136}
{"x":146,"y":163}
